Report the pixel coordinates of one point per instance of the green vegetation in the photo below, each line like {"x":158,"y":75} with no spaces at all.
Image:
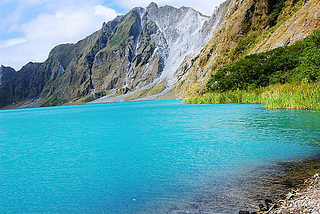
{"x":237,"y":96}
{"x":157,"y":89}
{"x":54,"y":102}
{"x":275,"y":11}
{"x":301,"y":95}
{"x":121,"y":35}
{"x":293,"y":96}
{"x":281,"y":65}
{"x":286,"y":77}
{"x":242,"y":46}
{"x":119,"y":38}
{"x":96,"y":95}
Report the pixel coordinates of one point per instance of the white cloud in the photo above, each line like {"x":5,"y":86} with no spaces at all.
{"x":103,"y":11}
{"x":12,"y":42}
{"x":22,"y":53}
{"x":204,"y":6}
{"x":41,"y":34}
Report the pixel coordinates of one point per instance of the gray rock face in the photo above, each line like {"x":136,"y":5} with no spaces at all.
{"x":6,"y":73}
{"x":152,"y":43}
{"x":186,"y":31}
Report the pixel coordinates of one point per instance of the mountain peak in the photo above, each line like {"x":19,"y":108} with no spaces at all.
{"x":6,"y":73}
{"x":153,"y":5}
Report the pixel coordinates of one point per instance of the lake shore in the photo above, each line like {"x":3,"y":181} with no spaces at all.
{"x":282,"y":187}
{"x":303,"y":194}
{"x":305,"y":199}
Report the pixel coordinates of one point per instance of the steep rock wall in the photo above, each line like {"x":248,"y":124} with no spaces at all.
{"x":249,"y":26}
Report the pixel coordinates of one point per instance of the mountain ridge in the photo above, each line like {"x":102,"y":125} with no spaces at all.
{"x":139,"y":49}
{"x":151,"y":51}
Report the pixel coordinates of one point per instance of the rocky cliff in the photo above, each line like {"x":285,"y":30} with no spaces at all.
{"x":6,"y":73}
{"x":249,"y":26}
{"x":139,"y":51}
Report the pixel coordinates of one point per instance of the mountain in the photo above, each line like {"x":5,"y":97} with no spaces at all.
{"x":249,"y":26}
{"x":139,"y":51}
{"x":159,"y":51}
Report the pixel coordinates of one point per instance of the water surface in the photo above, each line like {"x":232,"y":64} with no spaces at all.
{"x":142,"y":157}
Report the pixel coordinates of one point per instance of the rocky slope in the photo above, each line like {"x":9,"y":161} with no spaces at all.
{"x":249,"y":26}
{"x":139,"y":51}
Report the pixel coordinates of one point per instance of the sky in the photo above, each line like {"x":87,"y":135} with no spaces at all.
{"x":29,"y":29}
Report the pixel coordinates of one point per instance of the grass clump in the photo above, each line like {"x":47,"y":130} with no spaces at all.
{"x":236,"y":96}
{"x":301,"y":95}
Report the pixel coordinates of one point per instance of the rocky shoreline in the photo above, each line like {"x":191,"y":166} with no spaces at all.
{"x":303,"y":197}
{"x":292,"y":186}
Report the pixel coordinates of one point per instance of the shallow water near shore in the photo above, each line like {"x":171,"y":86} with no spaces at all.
{"x":147,"y":157}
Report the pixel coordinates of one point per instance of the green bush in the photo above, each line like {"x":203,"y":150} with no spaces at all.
{"x":282,"y":65}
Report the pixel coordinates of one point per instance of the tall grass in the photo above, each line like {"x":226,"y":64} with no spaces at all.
{"x":301,"y":95}
{"x":293,"y":96}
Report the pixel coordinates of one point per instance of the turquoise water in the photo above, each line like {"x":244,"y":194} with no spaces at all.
{"x":139,"y":157}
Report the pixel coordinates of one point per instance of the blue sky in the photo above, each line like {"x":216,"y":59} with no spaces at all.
{"x":29,"y":29}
